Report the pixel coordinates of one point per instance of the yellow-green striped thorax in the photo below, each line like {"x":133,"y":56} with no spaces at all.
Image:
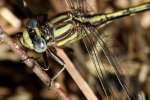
{"x":67,"y":27}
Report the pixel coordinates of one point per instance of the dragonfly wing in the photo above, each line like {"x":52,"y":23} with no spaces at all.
{"x":77,"y":6}
{"x":70,"y":4}
{"x":101,"y":68}
{"x":97,"y":63}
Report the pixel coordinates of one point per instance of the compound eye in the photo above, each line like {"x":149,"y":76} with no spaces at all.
{"x":40,"y":45}
{"x":32,"y":23}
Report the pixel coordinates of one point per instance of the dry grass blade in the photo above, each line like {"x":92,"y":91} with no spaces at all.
{"x":86,"y":90}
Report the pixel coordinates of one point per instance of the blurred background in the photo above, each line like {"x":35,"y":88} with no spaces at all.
{"x":128,"y":38}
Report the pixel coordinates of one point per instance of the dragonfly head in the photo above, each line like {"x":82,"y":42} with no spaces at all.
{"x":32,"y":37}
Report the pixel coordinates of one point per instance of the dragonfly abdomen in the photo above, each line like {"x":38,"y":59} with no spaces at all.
{"x":99,"y":19}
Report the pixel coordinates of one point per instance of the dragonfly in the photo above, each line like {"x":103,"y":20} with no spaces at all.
{"x":74,"y":25}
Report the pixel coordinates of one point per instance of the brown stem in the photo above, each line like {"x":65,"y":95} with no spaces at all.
{"x":31,"y":63}
{"x":86,"y":90}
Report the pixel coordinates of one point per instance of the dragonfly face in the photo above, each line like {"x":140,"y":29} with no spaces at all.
{"x":32,"y":37}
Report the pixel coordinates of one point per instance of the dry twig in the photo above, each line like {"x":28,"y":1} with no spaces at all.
{"x":31,"y":63}
{"x":86,"y":90}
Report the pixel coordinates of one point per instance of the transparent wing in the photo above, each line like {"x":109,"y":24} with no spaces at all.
{"x":111,"y":78}
{"x":101,"y":68}
{"x":76,"y":6}
{"x":70,"y":4}
{"x":97,"y":63}
{"x":93,"y":52}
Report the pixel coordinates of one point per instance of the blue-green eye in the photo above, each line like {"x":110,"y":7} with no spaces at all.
{"x":39,"y":44}
{"x":32,"y":23}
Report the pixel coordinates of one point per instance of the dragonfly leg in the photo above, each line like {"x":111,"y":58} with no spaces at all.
{"x":54,"y":77}
{"x":60,"y":61}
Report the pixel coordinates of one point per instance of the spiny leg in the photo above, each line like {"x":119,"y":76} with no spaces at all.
{"x":60,"y":61}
